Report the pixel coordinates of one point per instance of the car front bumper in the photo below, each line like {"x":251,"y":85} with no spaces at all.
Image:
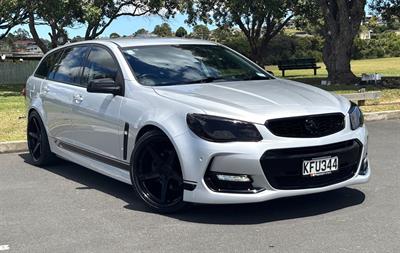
{"x":198,"y":156}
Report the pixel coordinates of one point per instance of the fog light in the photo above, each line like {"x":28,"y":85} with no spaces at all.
{"x":364,"y":167}
{"x":233,"y":178}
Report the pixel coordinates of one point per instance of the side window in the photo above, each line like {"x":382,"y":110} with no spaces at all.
{"x":47,"y":64}
{"x":69,"y":68}
{"x":100,"y":64}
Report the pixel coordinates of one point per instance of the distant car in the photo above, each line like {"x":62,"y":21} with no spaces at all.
{"x":191,"y":121}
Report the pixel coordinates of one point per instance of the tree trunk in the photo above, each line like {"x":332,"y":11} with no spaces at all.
{"x":256,"y":54}
{"x":34,"y":33}
{"x":342,"y":23}
{"x":337,"y":56}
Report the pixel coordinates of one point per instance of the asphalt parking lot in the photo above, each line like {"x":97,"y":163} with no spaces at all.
{"x":67,"y":208}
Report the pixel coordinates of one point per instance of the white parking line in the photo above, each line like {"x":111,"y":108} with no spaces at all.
{"x":4,"y":247}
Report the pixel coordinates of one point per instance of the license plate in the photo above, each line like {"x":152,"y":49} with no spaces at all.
{"x":320,"y":166}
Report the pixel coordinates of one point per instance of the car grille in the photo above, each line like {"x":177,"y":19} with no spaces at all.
{"x":310,"y":126}
{"x":283,"y":167}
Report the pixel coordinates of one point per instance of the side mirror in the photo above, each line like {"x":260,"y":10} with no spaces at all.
{"x":104,"y":85}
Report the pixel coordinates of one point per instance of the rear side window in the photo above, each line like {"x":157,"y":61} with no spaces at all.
{"x":47,"y":64}
{"x":100,"y":64}
{"x":69,"y":68}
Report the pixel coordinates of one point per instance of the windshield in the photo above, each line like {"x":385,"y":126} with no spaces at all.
{"x":188,"y":64}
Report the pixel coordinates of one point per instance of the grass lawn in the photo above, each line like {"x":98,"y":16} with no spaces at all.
{"x":388,"y":67}
{"x":12,"y":113}
{"x":385,"y":66}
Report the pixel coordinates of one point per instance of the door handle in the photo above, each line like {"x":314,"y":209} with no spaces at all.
{"x":78,"y":98}
{"x":45,"y":89}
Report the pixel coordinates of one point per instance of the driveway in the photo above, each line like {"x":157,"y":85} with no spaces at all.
{"x":67,"y":208}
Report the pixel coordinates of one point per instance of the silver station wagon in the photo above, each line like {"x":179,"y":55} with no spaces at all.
{"x":191,"y":121}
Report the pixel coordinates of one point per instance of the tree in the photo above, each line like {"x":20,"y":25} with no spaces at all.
{"x":309,"y":18}
{"x":373,"y":23}
{"x":221,"y":34}
{"x":140,"y":32}
{"x":163,"y":30}
{"x":231,"y":37}
{"x":388,"y":9}
{"x":181,"y":32}
{"x":97,"y":15}
{"x":342,"y":19}
{"x":12,"y":13}
{"x":21,"y":34}
{"x":201,"y":32}
{"x":114,"y":35}
{"x":260,"y":20}
{"x":77,"y":39}
{"x":57,"y":14}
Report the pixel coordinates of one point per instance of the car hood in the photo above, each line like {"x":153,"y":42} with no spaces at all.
{"x":255,"y":101}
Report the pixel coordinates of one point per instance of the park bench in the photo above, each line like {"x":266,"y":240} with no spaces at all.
{"x":307,"y":63}
{"x":361,"y":97}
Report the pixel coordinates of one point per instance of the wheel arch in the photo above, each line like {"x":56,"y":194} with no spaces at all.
{"x":41,"y":115}
{"x":145,"y":129}
{"x":151,"y":126}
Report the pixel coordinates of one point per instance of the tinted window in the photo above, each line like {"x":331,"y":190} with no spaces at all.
{"x":47,"y":64}
{"x":68,"y":70}
{"x":100,"y":64}
{"x":185,"y":64}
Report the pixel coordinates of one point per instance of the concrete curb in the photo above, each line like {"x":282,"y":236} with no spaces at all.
{"x":13,"y":146}
{"x":386,"y":115}
{"x":20,"y":146}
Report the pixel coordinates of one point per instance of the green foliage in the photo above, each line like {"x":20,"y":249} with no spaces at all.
{"x":181,"y":32}
{"x":141,"y":31}
{"x":77,"y":39}
{"x":388,"y":9}
{"x":284,"y":47}
{"x":386,"y":44}
{"x":12,"y":13}
{"x":232,"y":38}
{"x":280,"y":48}
{"x":114,"y":35}
{"x":20,"y":34}
{"x":200,"y":32}
{"x":57,"y":14}
{"x":163,"y":30}
{"x":259,"y":20}
{"x":99,"y":14}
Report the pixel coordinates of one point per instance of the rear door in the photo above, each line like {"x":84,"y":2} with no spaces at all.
{"x":97,"y":127}
{"x":58,"y":89}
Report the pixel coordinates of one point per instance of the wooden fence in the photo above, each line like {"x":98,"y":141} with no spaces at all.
{"x":16,"y":72}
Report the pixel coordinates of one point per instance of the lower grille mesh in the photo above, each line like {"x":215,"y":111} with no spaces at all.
{"x":283,"y":167}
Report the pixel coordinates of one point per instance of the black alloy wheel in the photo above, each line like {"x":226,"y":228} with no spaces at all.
{"x":156,"y":173}
{"x":38,"y":143}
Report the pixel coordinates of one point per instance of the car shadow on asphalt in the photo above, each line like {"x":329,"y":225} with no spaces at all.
{"x":274,"y":210}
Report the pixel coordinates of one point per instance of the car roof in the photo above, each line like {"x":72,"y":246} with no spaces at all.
{"x":132,"y":42}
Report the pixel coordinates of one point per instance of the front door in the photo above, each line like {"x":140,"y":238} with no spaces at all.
{"x":96,"y":124}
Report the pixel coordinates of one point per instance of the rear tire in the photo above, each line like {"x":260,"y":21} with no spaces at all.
{"x":38,"y":142}
{"x":156,"y":173}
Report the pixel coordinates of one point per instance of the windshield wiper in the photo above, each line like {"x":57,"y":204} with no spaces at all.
{"x":253,"y":76}
{"x":209,"y":79}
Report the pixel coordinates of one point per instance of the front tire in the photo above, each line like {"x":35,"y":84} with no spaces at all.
{"x":38,"y":142}
{"x":156,"y":173}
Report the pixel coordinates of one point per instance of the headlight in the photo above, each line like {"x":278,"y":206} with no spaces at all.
{"x":217,"y":129}
{"x":356,"y":117}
